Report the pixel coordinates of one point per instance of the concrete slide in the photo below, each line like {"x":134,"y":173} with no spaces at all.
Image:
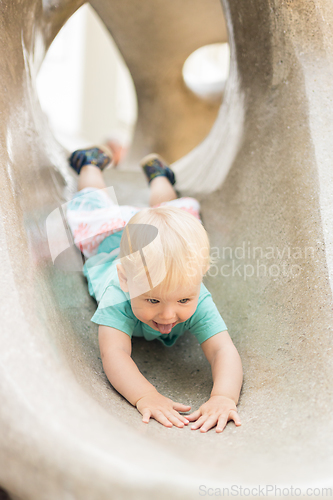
{"x":264,"y":177}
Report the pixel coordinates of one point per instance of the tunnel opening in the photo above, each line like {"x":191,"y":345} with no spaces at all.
{"x":85,"y":88}
{"x":206,"y":71}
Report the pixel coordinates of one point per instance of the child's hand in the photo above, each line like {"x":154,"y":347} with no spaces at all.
{"x":218,"y":410}
{"x":162,"y":409}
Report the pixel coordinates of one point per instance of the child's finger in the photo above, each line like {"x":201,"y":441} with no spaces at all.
{"x":198,"y":423}
{"x":233,"y":415}
{"x":182,"y":418}
{"x":181,"y":407}
{"x":146,"y":414}
{"x":194,"y":416}
{"x":208,"y":424}
{"x":222,"y":422}
{"x":175,"y":420}
{"x":162,"y":419}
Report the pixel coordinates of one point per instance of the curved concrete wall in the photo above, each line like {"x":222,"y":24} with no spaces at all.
{"x":65,"y":432}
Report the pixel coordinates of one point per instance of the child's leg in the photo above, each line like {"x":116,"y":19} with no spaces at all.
{"x":89,"y":163}
{"x":90,"y":176}
{"x":161,"y":190}
{"x":160,"y":178}
{"x":91,"y":214}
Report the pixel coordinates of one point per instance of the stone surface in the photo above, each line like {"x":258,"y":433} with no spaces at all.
{"x":65,"y":432}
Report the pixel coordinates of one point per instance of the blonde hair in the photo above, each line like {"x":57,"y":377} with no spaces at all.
{"x":164,"y":245}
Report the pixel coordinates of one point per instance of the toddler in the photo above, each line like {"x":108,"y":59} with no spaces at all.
{"x":145,"y":269}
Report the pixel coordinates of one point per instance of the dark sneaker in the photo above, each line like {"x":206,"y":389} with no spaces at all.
{"x":93,"y":156}
{"x":154,"y":166}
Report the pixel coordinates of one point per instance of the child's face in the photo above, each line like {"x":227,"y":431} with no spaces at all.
{"x":162,"y":311}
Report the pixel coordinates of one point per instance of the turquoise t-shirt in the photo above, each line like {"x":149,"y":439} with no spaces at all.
{"x":114,"y":305}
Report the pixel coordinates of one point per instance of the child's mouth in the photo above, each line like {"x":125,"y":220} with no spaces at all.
{"x":164,"y":328}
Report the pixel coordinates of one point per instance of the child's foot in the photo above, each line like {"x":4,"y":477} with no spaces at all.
{"x":153,"y":166}
{"x":97,"y":156}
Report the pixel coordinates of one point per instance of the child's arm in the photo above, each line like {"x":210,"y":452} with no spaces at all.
{"x":227,"y":377}
{"x":125,"y":377}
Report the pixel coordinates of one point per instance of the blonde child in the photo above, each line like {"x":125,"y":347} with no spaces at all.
{"x":145,"y":269}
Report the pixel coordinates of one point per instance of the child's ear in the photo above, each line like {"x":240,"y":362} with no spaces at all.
{"x":206,"y":270}
{"x":122,"y":278}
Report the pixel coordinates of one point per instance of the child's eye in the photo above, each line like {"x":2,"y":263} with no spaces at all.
{"x":183,"y":301}
{"x":153,"y":301}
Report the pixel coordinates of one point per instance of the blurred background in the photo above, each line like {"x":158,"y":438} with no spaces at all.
{"x":87,"y":92}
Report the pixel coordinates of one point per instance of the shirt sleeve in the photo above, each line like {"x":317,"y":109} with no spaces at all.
{"x":115,"y":310}
{"x":206,"y":321}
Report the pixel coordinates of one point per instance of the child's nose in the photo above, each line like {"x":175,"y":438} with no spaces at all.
{"x":167,"y":313}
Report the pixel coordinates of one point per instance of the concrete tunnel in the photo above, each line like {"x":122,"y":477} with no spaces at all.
{"x":261,"y":167}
